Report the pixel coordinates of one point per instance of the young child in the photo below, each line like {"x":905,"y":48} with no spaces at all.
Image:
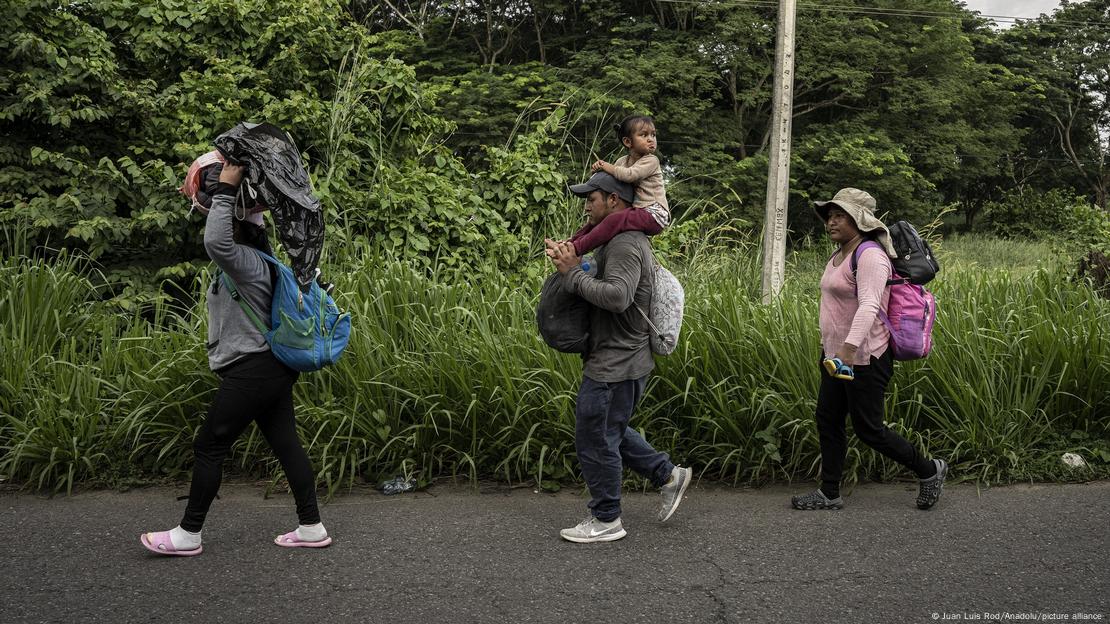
{"x":649,"y":213}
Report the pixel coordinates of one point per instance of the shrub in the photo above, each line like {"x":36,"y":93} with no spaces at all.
{"x":1070,"y":220}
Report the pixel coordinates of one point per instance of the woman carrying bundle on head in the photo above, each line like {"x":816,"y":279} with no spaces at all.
{"x":254,"y":385}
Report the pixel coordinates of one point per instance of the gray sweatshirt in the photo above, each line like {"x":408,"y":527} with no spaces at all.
{"x":619,"y":334}
{"x":231,"y":334}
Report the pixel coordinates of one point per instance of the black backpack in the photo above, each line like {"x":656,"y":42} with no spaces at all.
{"x":563,"y":317}
{"x":915,"y":260}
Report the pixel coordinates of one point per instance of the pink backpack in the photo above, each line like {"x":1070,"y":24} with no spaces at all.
{"x":910,"y":315}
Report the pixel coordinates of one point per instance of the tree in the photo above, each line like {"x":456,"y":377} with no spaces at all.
{"x":1068,"y":55}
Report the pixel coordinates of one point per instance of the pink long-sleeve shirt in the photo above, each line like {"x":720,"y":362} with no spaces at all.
{"x":850,"y":305}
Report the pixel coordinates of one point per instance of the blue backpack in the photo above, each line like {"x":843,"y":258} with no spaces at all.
{"x":308,"y":330}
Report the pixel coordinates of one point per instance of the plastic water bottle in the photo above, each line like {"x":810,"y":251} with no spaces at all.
{"x":587,"y":264}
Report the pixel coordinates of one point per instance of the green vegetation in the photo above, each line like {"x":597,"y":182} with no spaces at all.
{"x":444,"y":133}
{"x":448,"y":377}
{"x":440,"y":138}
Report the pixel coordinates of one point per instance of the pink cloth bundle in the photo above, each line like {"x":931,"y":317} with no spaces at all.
{"x":192,"y":184}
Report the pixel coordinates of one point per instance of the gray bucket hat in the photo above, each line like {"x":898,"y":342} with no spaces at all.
{"x":602,"y":181}
{"x":860,"y":205}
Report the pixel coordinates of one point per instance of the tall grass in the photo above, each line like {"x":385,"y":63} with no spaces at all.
{"x":447,"y":377}
{"x":989,"y":255}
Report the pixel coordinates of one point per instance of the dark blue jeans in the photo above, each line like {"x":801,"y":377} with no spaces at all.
{"x":605,"y":443}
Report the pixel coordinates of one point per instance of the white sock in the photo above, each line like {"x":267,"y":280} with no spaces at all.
{"x":184,"y":540}
{"x":311,"y":532}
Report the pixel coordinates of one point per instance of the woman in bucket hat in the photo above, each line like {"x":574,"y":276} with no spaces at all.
{"x":857,"y":362}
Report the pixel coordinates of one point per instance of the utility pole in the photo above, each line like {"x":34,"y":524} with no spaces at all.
{"x":778,"y":173}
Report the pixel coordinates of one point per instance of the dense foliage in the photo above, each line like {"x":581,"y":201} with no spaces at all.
{"x":441,"y":136}
{"x":448,"y":377}
{"x":445,"y":132}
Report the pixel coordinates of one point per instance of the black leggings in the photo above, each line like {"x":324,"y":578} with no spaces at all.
{"x":259,"y":388}
{"x":864,"y":399}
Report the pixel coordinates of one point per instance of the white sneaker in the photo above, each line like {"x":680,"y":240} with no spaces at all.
{"x":673,"y":490}
{"x":593,"y":530}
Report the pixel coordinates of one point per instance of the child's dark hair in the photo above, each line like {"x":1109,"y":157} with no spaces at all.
{"x":631,"y":124}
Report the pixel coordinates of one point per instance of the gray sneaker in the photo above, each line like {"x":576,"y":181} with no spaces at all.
{"x":928,"y":490}
{"x":816,"y":500}
{"x":593,"y":530}
{"x":673,"y":490}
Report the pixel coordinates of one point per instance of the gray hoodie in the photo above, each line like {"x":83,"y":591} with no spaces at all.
{"x":231,"y":334}
{"x":619,"y":348}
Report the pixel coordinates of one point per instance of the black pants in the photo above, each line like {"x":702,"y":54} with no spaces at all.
{"x":259,"y":388}
{"x":864,"y":399}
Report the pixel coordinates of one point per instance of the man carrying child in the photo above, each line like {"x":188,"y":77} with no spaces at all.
{"x":616,"y":366}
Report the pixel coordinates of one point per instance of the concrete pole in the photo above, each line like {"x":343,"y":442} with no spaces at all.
{"x":778,"y":173}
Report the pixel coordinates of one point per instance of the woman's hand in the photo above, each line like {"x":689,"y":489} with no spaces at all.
{"x":232,"y":174}
{"x":847,"y":353}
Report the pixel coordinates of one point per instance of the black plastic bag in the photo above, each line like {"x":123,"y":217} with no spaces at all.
{"x":277,"y":178}
{"x":563,"y":317}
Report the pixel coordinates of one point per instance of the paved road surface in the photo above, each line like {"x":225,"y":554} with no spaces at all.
{"x":454,"y":554}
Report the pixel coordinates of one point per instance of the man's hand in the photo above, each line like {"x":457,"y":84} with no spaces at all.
{"x":562,"y":255}
{"x":232,"y":174}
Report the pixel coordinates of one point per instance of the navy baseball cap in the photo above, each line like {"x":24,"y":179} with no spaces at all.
{"x":602,"y":181}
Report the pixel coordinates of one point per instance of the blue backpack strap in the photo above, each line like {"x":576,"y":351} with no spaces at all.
{"x":246,"y":306}
{"x":233,"y":290}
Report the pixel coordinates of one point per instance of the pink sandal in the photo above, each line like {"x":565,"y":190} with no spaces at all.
{"x":160,"y":543}
{"x":290,"y":540}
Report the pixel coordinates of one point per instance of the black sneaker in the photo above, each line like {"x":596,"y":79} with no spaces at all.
{"x":928,"y":491}
{"x":816,"y":500}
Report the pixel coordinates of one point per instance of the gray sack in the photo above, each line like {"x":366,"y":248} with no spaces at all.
{"x":665,"y":317}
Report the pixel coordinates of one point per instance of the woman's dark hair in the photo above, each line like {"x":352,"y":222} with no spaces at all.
{"x":246,"y":233}
{"x":630,"y":125}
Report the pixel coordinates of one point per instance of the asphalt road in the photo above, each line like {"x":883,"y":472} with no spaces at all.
{"x":454,"y":554}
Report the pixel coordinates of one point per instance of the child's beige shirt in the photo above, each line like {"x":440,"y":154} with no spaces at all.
{"x":647,"y":175}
